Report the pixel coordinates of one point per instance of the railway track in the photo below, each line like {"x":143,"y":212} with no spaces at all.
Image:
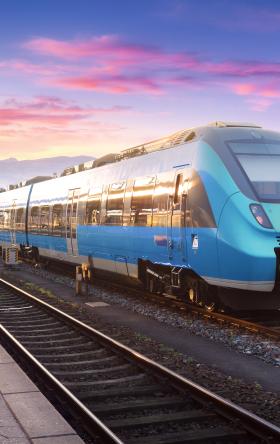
{"x":119,"y":395}
{"x":266,"y":323}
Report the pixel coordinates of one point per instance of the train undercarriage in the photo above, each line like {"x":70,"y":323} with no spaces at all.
{"x":193,"y":289}
{"x":187,"y":285}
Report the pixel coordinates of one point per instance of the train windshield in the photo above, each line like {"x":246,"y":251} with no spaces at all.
{"x":261,"y":163}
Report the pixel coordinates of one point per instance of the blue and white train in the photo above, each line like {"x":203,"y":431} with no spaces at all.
{"x":198,"y":212}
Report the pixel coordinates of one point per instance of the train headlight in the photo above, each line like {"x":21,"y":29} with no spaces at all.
{"x":260,"y":215}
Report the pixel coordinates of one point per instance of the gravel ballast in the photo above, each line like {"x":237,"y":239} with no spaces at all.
{"x":239,"y":339}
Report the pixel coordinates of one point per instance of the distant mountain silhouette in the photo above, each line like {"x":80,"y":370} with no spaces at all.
{"x":13,"y":171}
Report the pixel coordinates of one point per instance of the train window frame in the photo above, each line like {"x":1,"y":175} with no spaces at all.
{"x":161,"y":201}
{"x":46,"y":228}
{"x":199,"y":213}
{"x":117,"y":218}
{"x":238,"y":154}
{"x":178,"y":191}
{"x":7,"y":221}
{"x":20,"y":221}
{"x":33,"y":228}
{"x":58,"y":232}
{"x":13,"y":217}
{"x":2,"y":218}
{"x":138,"y":213}
{"x":5,"y":218}
{"x":74,"y":217}
{"x":97,"y":208}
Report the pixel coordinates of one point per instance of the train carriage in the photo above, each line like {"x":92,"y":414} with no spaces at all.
{"x":197,"y":212}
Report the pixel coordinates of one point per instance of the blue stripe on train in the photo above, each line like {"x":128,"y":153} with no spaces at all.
{"x":153,"y":243}
{"x":55,"y":243}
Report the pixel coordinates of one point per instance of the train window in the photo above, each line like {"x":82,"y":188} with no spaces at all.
{"x":114,"y":207}
{"x":199,"y":209}
{"x":57,"y":220}
{"x":34,"y":219}
{"x":7,"y":218}
{"x":161,"y":201}
{"x":73,"y":219}
{"x":142,"y":201}
{"x":260,"y":162}
{"x":2,"y":218}
{"x":44,"y":219}
{"x":68,"y":218}
{"x":13,"y":218}
{"x":93,"y":210}
{"x":178,"y":192}
{"x":20,"y":219}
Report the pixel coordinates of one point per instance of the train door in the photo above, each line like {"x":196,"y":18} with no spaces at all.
{"x":71,"y":221}
{"x":177,"y":247}
{"x":13,"y":222}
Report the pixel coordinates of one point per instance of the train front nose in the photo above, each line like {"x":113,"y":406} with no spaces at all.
{"x":249,"y":258}
{"x":246,"y":250}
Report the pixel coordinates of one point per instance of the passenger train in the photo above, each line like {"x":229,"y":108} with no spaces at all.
{"x":197,"y":212}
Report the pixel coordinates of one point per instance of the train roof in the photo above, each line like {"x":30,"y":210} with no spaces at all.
{"x":167,"y":142}
{"x":170,"y":141}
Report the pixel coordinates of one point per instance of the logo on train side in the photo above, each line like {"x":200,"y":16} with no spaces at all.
{"x":160,"y":240}
{"x":195,"y":241}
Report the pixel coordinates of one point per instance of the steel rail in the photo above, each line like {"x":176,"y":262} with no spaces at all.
{"x":92,"y":423}
{"x":251,"y":422}
{"x":170,"y":300}
{"x":174,"y":301}
{"x":239,"y":322}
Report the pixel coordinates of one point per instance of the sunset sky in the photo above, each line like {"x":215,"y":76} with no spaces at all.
{"x":93,"y":77}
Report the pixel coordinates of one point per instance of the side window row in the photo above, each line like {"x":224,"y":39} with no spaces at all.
{"x":149,"y":204}
{"x":148,"y":200}
{"x":12,"y":218}
{"x":44,"y":219}
{"x":47,"y":219}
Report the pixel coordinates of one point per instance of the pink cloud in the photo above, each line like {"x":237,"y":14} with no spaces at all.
{"x":49,"y":110}
{"x":114,"y":84}
{"x":259,"y":96}
{"x":259,"y":89}
{"x":107,"y":64}
{"x":259,"y":104}
{"x":109,"y":52}
{"x":22,"y":66}
{"x":242,"y":69}
{"x":72,"y":49}
{"x":244,"y":89}
{"x":270,"y":91}
{"x":113,"y":66}
{"x":19,"y":67}
{"x":108,"y":47}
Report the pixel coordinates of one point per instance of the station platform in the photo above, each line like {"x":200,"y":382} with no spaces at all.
{"x":26,"y":416}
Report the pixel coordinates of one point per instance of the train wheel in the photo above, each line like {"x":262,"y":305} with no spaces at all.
{"x":200,"y":294}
